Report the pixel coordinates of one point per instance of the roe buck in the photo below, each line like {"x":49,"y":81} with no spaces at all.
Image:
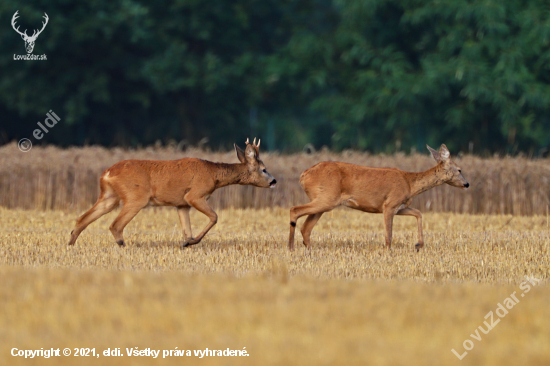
{"x":183,"y":183}
{"x":376,"y":190}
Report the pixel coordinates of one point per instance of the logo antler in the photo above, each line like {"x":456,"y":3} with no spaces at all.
{"x":29,"y":40}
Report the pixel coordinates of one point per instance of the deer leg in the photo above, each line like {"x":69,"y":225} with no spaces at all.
{"x":201,"y":205}
{"x":183,"y":213}
{"x":388,"y":223}
{"x":312,"y":208}
{"x":128,"y":212}
{"x":308,"y":225}
{"x":414,"y":212}
{"x":103,"y":206}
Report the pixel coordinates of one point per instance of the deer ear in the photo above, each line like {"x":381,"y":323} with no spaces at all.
{"x":444,"y":153}
{"x":435,"y":154}
{"x":250,"y":152}
{"x":240,"y":154}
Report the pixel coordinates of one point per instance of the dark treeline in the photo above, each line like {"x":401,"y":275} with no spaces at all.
{"x":376,"y":75}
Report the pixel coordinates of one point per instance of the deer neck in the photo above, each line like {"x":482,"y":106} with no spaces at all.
{"x":422,"y":181}
{"x":228,"y":174}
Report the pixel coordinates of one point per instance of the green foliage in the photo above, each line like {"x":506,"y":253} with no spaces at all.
{"x":372,"y":75}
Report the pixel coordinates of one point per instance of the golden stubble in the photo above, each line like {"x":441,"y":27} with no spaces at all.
{"x":346,"y":244}
{"x":348,"y":300}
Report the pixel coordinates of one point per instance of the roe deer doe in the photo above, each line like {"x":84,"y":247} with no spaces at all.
{"x":376,"y":190}
{"x":183,"y":183}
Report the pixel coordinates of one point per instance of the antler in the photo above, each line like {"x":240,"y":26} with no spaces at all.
{"x":254,"y":142}
{"x":15,"y":16}
{"x":43,"y":26}
{"x":24,"y":34}
{"x":257,"y":147}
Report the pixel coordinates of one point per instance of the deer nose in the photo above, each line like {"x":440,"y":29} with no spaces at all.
{"x":467,"y":185}
{"x":273,"y":182}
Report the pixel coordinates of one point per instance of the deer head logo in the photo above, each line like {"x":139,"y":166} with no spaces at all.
{"x":29,"y":41}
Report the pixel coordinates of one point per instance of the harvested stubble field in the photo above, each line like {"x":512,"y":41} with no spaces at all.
{"x":348,"y":300}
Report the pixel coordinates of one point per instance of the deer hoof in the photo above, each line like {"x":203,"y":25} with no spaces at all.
{"x":418,"y":246}
{"x":71,"y":241}
{"x":188,"y":242}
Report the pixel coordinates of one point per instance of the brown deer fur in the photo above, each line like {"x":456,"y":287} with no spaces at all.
{"x":183,"y":183}
{"x":376,"y":190}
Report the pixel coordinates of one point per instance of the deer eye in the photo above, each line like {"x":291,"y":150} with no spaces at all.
{"x":459,"y":170}
{"x":265,"y":171}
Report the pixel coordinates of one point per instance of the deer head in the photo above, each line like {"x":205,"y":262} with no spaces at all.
{"x":29,"y":40}
{"x":257,"y":173}
{"x":452,"y":172}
